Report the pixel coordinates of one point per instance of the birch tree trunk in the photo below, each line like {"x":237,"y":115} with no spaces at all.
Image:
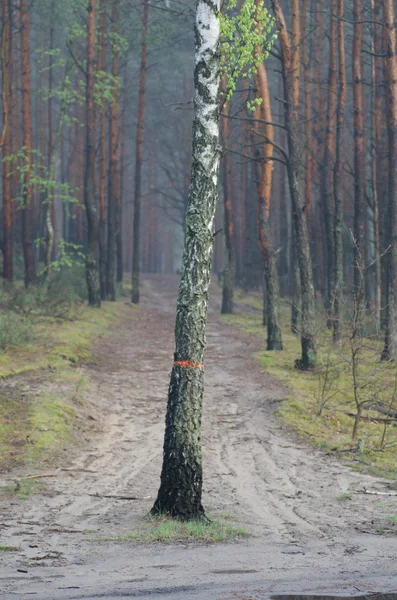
{"x":181,"y":478}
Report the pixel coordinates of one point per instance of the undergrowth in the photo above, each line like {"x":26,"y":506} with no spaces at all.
{"x":327,"y":417}
{"x":41,"y":412}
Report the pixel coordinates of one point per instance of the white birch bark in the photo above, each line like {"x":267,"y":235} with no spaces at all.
{"x":181,"y":477}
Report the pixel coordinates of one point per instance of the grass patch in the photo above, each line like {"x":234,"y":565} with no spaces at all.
{"x":35,"y":424}
{"x":57,"y":341}
{"x":331,"y":430}
{"x":392,"y":519}
{"x":24,"y":489}
{"x":169,"y":531}
{"x":342,"y":496}
{"x":9,"y":548}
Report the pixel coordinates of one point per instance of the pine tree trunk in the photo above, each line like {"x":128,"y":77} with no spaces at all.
{"x":359,"y":140}
{"x":307,"y":98}
{"x":328,"y":163}
{"x":114,"y":166}
{"x":49,"y":213}
{"x":6,"y":53}
{"x":103,"y":155}
{"x":92,"y":271}
{"x":271,"y":285}
{"x":139,"y":158}
{"x":290,"y":69}
{"x":27,"y":242}
{"x":181,"y":478}
{"x":390,"y":349}
{"x":121,"y":207}
{"x":230,"y":262}
{"x":376,"y":148}
{"x":318,"y":96}
{"x":338,"y":178}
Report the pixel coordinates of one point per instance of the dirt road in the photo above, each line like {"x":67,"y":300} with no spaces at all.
{"x":285,"y":493}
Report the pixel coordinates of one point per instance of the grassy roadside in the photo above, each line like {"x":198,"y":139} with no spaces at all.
{"x":171,"y":531}
{"x":42,"y":404}
{"x":330,"y":428}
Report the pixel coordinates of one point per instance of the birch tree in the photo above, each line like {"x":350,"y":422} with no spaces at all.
{"x":182,"y":475}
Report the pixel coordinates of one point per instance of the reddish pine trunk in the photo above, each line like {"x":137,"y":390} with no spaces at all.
{"x":6,"y":140}
{"x":290,"y":68}
{"x":359,"y":140}
{"x":114,"y":166}
{"x":264,"y":188}
{"x":103,"y":155}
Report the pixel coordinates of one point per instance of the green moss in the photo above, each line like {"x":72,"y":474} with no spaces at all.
{"x":9,"y":549}
{"x":35,"y":426}
{"x":60,"y":341}
{"x":169,"y":531}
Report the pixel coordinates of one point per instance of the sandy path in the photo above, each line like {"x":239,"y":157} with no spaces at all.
{"x":275,"y":485}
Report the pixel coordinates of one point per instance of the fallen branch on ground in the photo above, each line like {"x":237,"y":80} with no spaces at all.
{"x":376,"y":493}
{"x":35,"y":476}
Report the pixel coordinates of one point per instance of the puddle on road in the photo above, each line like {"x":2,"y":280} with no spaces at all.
{"x":390,"y":596}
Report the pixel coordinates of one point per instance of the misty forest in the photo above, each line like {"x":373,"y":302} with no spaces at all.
{"x":209,"y":188}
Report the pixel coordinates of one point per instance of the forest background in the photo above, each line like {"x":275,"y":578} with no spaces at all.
{"x":96,"y":147}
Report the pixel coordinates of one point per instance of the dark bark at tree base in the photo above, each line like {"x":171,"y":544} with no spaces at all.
{"x":227,"y":292}
{"x":308,"y":360}
{"x":92,"y":277}
{"x":102,"y":258}
{"x":274,"y":338}
{"x":135,"y":288}
{"x":181,"y":478}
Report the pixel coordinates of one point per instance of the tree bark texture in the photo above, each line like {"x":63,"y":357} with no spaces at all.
{"x":328,"y":161}
{"x":290,"y":69}
{"x":114,"y":156}
{"x":6,"y":57}
{"x":307,"y":101}
{"x":359,"y":139}
{"x":139,"y":159}
{"x":390,"y":349}
{"x":181,"y":478}
{"x":338,"y":178}
{"x":92,"y":271}
{"x":103,"y":154}
{"x":27,"y":242}
{"x":271,"y":285}
{"x":230,"y":262}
